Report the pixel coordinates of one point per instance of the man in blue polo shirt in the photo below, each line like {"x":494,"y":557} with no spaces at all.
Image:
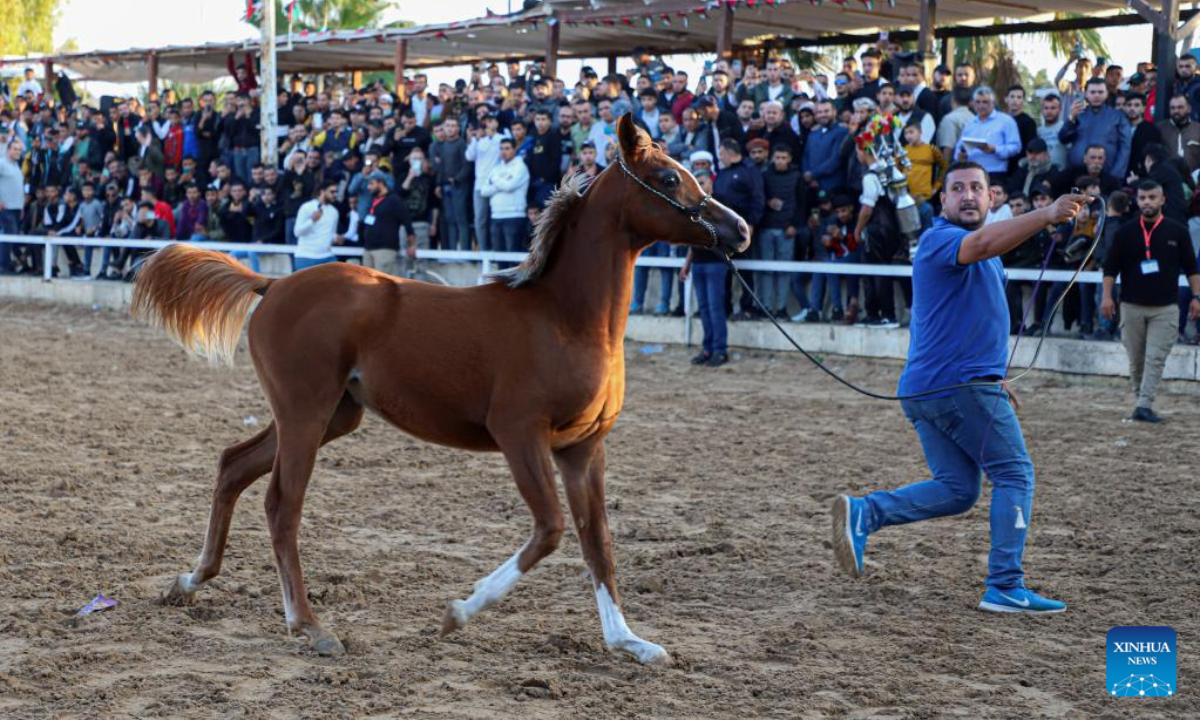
{"x":959,"y":334}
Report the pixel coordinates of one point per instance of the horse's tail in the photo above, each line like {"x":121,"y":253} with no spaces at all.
{"x":199,"y":297}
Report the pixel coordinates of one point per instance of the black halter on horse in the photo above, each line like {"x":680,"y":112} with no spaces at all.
{"x":692,"y":211}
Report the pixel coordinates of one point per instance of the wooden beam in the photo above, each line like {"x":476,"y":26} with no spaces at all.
{"x":48,"y":79}
{"x":925,"y":36}
{"x":1187,"y":28}
{"x":725,"y":33}
{"x":398,"y":62}
{"x":947,"y":55}
{"x":552,"y":37}
{"x":612,"y":64}
{"x":1165,"y":58}
{"x":152,"y":69}
{"x":1150,"y":15}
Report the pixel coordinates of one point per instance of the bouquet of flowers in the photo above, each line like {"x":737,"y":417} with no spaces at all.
{"x":890,"y":163}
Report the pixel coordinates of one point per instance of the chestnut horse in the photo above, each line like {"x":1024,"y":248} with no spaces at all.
{"x":530,"y":365}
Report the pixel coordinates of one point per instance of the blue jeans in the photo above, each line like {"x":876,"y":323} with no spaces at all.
{"x":641,"y":278}
{"x":10,"y":224}
{"x":483,"y":233}
{"x":834,"y":283}
{"x":509,"y":234}
{"x":709,"y":281}
{"x":242,"y":160}
{"x":772,"y":287}
{"x":961,"y":438}
{"x":458,"y":227}
{"x":305,"y":263}
{"x":253,"y":257}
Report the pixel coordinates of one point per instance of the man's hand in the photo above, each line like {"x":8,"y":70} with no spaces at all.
{"x":1077,"y":107}
{"x":339,"y":240}
{"x":1108,"y":308}
{"x":683,"y":273}
{"x":791,"y":231}
{"x":775,"y":204}
{"x":411,"y":250}
{"x":1067,"y":207}
{"x":1194,"y":309}
{"x":989,"y":149}
{"x":316,"y":216}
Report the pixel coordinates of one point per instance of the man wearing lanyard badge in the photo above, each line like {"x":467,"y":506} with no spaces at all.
{"x":1148,"y":254}
{"x":385,"y":223}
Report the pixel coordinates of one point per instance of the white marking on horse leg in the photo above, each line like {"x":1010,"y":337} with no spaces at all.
{"x":187,"y":583}
{"x":289,"y":610}
{"x":489,"y":590}
{"x":618,"y":636}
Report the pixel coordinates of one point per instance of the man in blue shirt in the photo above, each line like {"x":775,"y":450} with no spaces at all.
{"x":1093,"y":122}
{"x":991,"y":138}
{"x":959,"y":334}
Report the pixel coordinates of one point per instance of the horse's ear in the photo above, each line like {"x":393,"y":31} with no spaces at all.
{"x":635,"y":142}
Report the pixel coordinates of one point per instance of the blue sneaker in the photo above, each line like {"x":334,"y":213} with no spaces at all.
{"x":1019,"y":600}
{"x":849,"y":533}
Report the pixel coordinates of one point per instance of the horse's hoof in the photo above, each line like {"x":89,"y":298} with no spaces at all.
{"x":646,"y":653}
{"x":180,"y":594}
{"x":659,"y":659}
{"x":324,"y":643}
{"x":455,"y":617}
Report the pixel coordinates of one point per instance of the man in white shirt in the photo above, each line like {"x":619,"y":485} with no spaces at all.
{"x":603,"y":131}
{"x":30,"y":84}
{"x":316,"y":228}
{"x":484,"y":151}
{"x":506,"y":189}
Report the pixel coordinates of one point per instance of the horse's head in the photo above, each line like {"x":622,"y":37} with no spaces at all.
{"x":665,"y":202}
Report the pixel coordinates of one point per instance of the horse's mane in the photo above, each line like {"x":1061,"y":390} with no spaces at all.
{"x":549,"y":227}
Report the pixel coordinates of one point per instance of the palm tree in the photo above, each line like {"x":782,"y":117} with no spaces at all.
{"x":994,"y":61}
{"x":320,"y":15}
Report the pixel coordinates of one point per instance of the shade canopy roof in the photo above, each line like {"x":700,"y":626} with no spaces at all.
{"x":587,"y":28}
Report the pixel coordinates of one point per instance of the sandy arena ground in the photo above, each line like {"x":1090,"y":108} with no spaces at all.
{"x":718,"y":487}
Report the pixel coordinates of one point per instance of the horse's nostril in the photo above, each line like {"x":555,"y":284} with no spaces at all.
{"x":743,"y":228}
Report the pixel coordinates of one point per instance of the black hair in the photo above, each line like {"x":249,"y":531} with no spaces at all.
{"x":1148,"y":186}
{"x":962,"y":166}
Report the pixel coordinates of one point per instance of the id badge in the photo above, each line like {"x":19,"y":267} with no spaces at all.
{"x":1149,"y":267}
{"x":370,"y":220}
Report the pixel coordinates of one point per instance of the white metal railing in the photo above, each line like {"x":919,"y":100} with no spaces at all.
{"x":488,"y":258}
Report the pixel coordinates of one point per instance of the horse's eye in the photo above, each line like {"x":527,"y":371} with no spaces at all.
{"x":671,"y":180}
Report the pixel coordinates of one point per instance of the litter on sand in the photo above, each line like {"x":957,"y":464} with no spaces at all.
{"x":250,"y":421}
{"x":97,"y":604}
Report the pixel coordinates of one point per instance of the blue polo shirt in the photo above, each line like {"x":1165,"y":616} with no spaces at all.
{"x":959,"y":326}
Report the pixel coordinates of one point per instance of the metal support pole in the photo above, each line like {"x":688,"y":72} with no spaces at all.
{"x":50,"y":260}
{"x":1165,"y":57}
{"x":268,"y":102}
{"x":612,"y":64}
{"x":552,"y":37}
{"x":687,"y":311}
{"x":152,"y":67}
{"x":725,"y":33}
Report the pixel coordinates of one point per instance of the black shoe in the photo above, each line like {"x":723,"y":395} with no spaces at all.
{"x":718,"y":359}
{"x":702,"y":358}
{"x":677,"y":312}
{"x":836,"y":316}
{"x":1146,"y":415}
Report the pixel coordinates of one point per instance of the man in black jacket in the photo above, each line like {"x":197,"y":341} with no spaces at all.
{"x":268,"y":218}
{"x":783,"y":188}
{"x":380,"y":229}
{"x":544,"y":159}
{"x":1149,"y":254}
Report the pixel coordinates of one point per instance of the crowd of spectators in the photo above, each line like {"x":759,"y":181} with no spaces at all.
{"x":470,"y":164}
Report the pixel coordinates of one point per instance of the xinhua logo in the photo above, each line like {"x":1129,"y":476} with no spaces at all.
{"x":1141,"y":662}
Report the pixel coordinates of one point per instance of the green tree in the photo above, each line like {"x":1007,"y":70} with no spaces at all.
{"x":317,"y":15}
{"x":28,"y":26}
